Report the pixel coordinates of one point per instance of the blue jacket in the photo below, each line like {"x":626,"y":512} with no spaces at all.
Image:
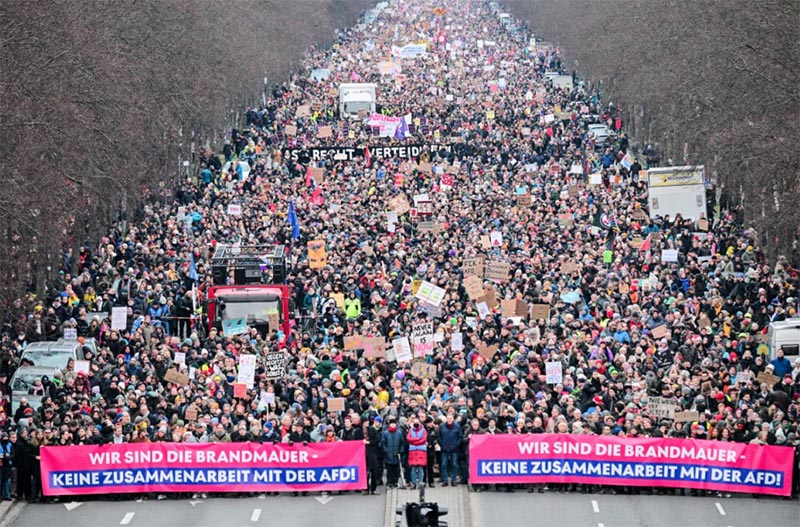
{"x":782,"y":366}
{"x":449,"y":437}
{"x":392,"y":444}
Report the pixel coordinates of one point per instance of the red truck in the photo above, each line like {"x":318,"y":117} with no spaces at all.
{"x":249,"y":284}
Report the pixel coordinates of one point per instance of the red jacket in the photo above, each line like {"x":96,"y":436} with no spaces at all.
{"x":417,"y":447}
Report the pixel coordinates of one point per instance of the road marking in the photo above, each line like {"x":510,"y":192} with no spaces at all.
{"x":601,"y":525}
{"x":325,"y":498}
{"x":127,"y":518}
{"x":595,"y":506}
{"x":719,"y":508}
{"x":194,"y":503}
{"x":73,"y":505}
{"x":256,"y":515}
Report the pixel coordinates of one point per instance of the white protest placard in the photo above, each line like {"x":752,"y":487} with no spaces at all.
{"x":180,"y":357}
{"x":430,"y":293}
{"x":70,"y":334}
{"x":422,"y":338}
{"x":554,"y":372}
{"x":457,"y":341}
{"x":234,"y":209}
{"x":669,"y":255}
{"x":402,"y":349}
{"x":119,"y":317}
{"x":267,"y":397}
{"x":596,"y":178}
{"x":662,"y":407}
{"x":82,"y":366}
{"x":496,"y":238}
{"x":247,"y":370}
{"x":483,"y":310}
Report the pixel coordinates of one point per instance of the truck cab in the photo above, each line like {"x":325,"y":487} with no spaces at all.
{"x":249,"y":284}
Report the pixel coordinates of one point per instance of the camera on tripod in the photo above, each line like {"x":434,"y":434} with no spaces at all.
{"x":422,"y":514}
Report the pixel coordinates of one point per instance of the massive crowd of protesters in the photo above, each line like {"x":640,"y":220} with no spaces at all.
{"x":715,"y":302}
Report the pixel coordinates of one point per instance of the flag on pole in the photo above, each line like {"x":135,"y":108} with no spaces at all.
{"x":645,"y":244}
{"x":317,"y":198}
{"x":627,"y":161}
{"x":192,"y":268}
{"x":402,"y":129}
{"x":367,"y":157}
{"x":293,"y":221}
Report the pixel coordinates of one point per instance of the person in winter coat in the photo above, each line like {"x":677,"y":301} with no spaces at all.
{"x":325,"y":367}
{"x":392,"y":444}
{"x":417,"y":438}
{"x":781,"y":364}
{"x":24,"y":460}
{"x":352,"y":306}
{"x":450,"y":438}
{"x":372,"y":438}
{"x":7,"y":455}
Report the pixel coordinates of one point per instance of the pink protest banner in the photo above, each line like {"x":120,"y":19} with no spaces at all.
{"x":645,"y":462}
{"x":206,"y":467}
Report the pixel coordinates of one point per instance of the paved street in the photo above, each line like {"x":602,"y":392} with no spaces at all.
{"x":487,"y":509}
{"x":491,"y":509}
{"x":308,"y":511}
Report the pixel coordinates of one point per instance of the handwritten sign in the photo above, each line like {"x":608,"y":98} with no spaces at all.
{"x":473,"y":266}
{"x":659,"y":332}
{"x":767,"y":378}
{"x":687,"y":416}
{"x":554,"y":372}
{"x":172,"y":375}
{"x":497,"y":271}
{"x":540,"y":312}
{"x":422,"y":338}
{"x":274,"y":365}
{"x":402,"y":349}
{"x":119,"y":317}
{"x":662,"y":407}
{"x":423,"y":370}
{"x":336,"y":404}
{"x":488,"y":352}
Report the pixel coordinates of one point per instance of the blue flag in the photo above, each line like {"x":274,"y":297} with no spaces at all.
{"x":293,"y":221}
{"x":192,"y":269}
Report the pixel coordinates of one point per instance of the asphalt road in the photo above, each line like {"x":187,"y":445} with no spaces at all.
{"x":487,"y":509}
{"x":490,"y":509}
{"x":303,"y":511}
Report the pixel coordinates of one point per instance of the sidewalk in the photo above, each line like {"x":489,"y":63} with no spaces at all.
{"x":9,"y":510}
{"x":455,"y":499}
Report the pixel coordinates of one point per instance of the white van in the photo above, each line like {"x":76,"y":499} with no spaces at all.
{"x":784,"y":335}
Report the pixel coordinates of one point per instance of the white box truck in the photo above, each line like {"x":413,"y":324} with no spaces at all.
{"x":784,"y":335}
{"x":355,"y":97}
{"x":677,"y":190}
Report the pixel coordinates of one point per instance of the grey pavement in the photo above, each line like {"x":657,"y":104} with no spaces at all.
{"x":520,"y":509}
{"x":486,"y":509}
{"x":349,"y":510}
{"x":455,"y":499}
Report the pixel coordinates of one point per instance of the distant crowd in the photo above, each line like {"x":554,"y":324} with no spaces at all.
{"x":625,"y":327}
